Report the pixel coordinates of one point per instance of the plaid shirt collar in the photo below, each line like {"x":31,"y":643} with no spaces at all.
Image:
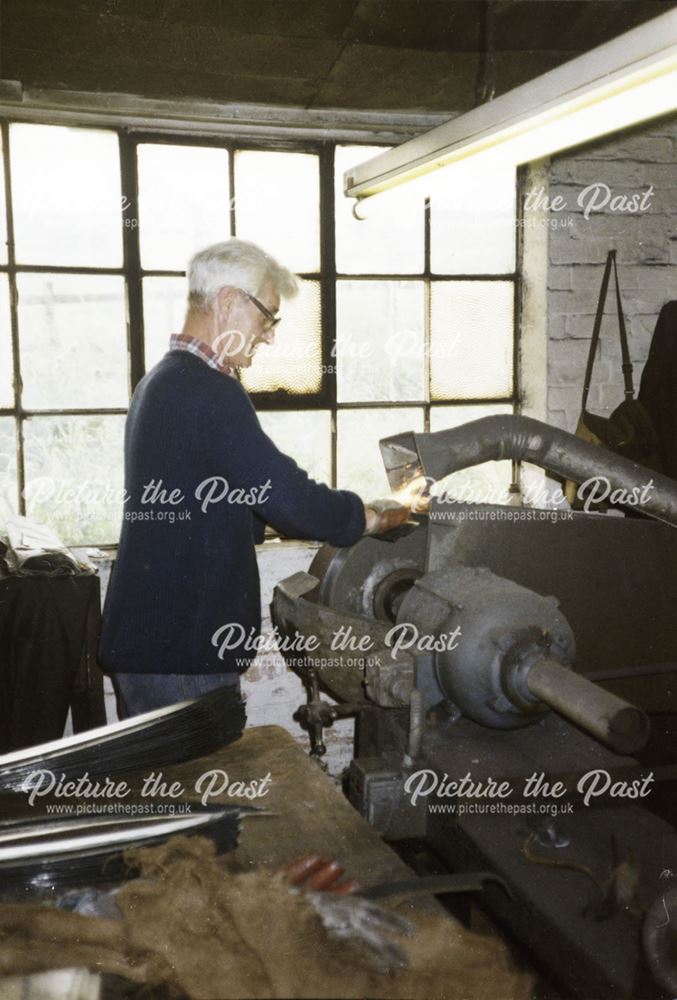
{"x":182,"y":342}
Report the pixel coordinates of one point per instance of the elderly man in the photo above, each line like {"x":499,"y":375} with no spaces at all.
{"x":201,"y":481}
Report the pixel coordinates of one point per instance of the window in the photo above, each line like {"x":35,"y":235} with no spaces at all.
{"x":404,"y":321}
{"x":425,"y":318}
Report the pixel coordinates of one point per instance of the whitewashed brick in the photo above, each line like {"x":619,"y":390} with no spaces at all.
{"x":646,"y":245}
{"x":560,"y":278}
{"x":567,"y":360}
{"x":654,"y":148}
{"x":557,"y":327}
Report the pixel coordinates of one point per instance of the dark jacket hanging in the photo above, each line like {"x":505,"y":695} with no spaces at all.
{"x":658,"y":387}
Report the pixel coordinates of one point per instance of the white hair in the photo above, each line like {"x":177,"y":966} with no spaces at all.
{"x":239,"y":264}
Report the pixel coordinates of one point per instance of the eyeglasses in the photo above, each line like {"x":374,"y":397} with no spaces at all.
{"x":273,"y":320}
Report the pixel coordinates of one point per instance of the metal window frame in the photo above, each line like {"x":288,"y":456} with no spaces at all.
{"x":129,"y":139}
{"x":429,"y":278}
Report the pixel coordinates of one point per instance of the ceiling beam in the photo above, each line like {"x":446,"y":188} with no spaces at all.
{"x":209,"y":118}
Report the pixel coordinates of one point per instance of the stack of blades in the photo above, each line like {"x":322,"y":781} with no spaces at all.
{"x":166,"y":736}
{"x":58,"y":852}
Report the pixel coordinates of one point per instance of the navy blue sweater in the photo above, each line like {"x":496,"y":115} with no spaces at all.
{"x":201,"y":478}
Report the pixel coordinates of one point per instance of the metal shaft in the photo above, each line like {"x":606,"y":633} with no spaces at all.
{"x":606,"y":716}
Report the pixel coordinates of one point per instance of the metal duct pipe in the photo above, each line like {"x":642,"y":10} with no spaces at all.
{"x":522,"y":438}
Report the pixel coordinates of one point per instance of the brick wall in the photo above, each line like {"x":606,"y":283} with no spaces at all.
{"x":642,"y":165}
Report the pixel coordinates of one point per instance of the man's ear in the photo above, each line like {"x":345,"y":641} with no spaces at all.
{"x":224,"y":299}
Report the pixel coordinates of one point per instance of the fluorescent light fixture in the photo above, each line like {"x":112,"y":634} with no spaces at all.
{"x":626,"y":81}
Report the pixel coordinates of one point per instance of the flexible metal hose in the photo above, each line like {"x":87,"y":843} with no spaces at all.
{"x":522,"y":438}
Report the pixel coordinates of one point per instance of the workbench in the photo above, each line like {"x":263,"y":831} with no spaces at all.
{"x":305,"y":811}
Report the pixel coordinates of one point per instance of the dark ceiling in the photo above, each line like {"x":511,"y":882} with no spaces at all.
{"x":379,"y":55}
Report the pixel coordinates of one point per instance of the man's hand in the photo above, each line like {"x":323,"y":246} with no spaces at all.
{"x":384,"y":515}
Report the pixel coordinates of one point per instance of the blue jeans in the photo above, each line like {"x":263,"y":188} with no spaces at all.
{"x":139,"y":693}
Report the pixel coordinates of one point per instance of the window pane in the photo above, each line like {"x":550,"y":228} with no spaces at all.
{"x":294,"y":361}
{"x":184,"y":203}
{"x":277,"y":205}
{"x":390,"y":239}
{"x":359,"y":463}
{"x":73,"y":340}
{"x":6,"y":365}
{"x":3,"y":214}
{"x":486,"y":483}
{"x":164,"y":310}
{"x":380,"y":341}
{"x":66,"y":196}
{"x":8,"y":477}
{"x":471,"y":343}
{"x":472,"y":220}
{"x":305,"y":435}
{"x":74,"y":476}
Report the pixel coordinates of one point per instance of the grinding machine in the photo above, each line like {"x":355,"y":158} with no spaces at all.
{"x":511,"y":672}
